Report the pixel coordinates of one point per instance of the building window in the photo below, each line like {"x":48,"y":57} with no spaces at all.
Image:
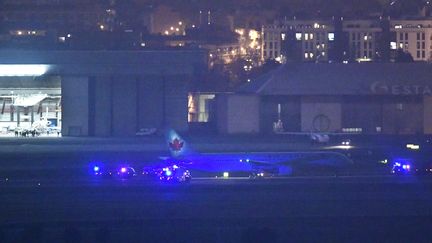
{"x":298,"y":36}
{"x":423,"y":36}
{"x":423,"y":54}
{"x":418,"y":54}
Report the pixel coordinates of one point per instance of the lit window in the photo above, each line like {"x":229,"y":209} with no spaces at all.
{"x":311,"y":36}
{"x":283,"y":36}
{"x":393,"y":45}
{"x":311,"y":55}
{"x":323,"y":54}
{"x":306,"y":55}
{"x":298,"y":36}
{"x":331,"y":36}
{"x":316,"y":25}
{"x":306,"y":36}
{"x":398,"y":26}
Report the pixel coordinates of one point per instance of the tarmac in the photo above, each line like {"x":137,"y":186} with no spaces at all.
{"x":303,"y":209}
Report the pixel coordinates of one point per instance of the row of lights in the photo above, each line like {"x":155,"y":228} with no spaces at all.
{"x":174,"y":29}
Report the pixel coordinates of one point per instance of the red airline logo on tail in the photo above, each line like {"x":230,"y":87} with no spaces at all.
{"x":176,"y":145}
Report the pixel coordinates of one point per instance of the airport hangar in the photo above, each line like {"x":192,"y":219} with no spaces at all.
{"x":98,"y":93}
{"x":368,"y":98}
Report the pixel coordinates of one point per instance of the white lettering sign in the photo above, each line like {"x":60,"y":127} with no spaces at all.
{"x":382,"y":88}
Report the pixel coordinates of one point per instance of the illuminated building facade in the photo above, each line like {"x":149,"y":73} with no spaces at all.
{"x":308,"y":41}
{"x":103,"y":93}
{"x":413,"y":36}
{"x":364,"y":38}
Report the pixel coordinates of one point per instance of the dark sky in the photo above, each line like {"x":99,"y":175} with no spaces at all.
{"x":300,"y":7}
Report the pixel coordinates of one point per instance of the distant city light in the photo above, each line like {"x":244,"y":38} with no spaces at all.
{"x":23,"y":69}
{"x":413,"y":146}
{"x":69,"y":35}
{"x":225,"y":174}
{"x":102,"y":27}
{"x":180,"y":23}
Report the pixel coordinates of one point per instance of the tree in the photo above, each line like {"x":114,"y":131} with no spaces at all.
{"x":403,"y":56}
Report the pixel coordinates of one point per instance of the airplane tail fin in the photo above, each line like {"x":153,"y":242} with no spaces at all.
{"x":177,"y":146}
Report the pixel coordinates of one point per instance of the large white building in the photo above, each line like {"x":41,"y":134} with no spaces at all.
{"x":363,"y":36}
{"x":271,"y":42}
{"x":413,"y":36}
{"x":309,"y":38}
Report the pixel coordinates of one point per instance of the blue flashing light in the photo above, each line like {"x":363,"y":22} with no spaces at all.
{"x":123,"y":170}
{"x":96,"y":168}
{"x":247,"y":160}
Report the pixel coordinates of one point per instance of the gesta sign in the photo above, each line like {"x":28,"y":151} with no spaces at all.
{"x":382,"y":88}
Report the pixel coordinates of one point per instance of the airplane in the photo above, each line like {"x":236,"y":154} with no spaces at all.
{"x":184,"y":160}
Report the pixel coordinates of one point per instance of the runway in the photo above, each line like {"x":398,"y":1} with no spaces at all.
{"x":345,"y":208}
